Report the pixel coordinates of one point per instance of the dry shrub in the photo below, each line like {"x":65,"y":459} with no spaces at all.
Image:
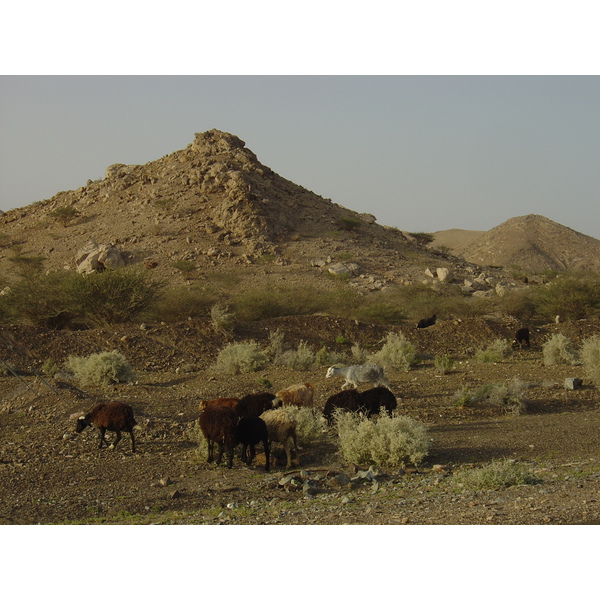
{"x":385,"y":442}
{"x":495,"y":352}
{"x":590,"y":357}
{"x":101,"y":369}
{"x":396,"y":354}
{"x":559,"y":350}
{"x":301,"y":359}
{"x":499,"y":474}
{"x":310,"y":427}
{"x":240,"y":357}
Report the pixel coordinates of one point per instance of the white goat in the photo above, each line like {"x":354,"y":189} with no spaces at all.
{"x":281,"y":426}
{"x":360,"y":374}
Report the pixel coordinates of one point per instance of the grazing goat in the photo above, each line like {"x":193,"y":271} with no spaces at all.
{"x":347,"y":400}
{"x":299,"y":394}
{"x":219,"y":426}
{"x":281,"y":426}
{"x":373,"y":400}
{"x":423,"y":323}
{"x":359,"y":374}
{"x":230,"y":402}
{"x":251,"y":431}
{"x":111,"y":416}
{"x":253,"y":405}
{"x":522,"y":338}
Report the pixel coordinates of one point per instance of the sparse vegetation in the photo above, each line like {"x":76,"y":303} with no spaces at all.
{"x":511,"y":397}
{"x":572,"y":296}
{"x":348,"y":224}
{"x":65,"y":215}
{"x":221,"y":318}
{"x":495,"y":352}
{"x":444,"y":364}
{"x":101,"y":369}
{"x":497,"y":475}
{"x":300,"y":359}
{"x":559,"y":350}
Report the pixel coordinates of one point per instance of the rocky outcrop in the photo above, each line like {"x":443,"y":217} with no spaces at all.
{"x":98,"y":257}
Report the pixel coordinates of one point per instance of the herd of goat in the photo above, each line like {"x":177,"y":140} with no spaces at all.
{"x":259,"y":419}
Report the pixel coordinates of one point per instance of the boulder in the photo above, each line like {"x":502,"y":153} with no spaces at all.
{"x":98,"y":257}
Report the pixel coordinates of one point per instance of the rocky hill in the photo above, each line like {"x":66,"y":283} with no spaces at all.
{"x":213,"y":207}
{"x":533,"y":243}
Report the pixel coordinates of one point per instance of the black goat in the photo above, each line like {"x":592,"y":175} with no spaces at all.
{"x":522,"y":338}
{"x":219,"y":426}
{"x":111,"y":416}
{"x":374,"y":399}
{"x":423,"y":323}
{"x":250,"y":431}
{"x":253,"y":405}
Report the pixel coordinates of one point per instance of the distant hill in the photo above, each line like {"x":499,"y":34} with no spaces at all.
{"x":533,"y":243}
{"x":454,"y":238}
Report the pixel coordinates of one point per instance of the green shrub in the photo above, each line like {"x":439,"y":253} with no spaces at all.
{"x":572,"y":296}
{"x":444,"y":364}
{"x":559,"y":350}
{"x":276,"y":345}
{"x":397,"y":353}
{"x":301,"y":359}
{"x":386,"y":442}
{"x":111,"y":297}
{"x":180,"y":303}
{"x":423,"y":238}
{"x":359,"y":355}
{"x":590,"y":357}
{"x":240,"y":357}
{"x":65,"y":215}
{"x":496,"y":351}
{"x":497,"y":475}
{"x":326,"y":357}
{"x":50,"y":367}
{"x":101,"y":369}
{"x":348,"y":224}
{"x":185,"y":266}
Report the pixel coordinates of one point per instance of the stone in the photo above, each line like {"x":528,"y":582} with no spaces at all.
{"x":444,"y":274}
{"x":98,"y":257}
{"x":344,"y":269}
{"x":572,"y":383}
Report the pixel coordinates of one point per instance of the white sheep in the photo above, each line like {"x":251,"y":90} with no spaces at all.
{"x":299,"y":394}
{"x":356,"y":374}
{"x":281,"y":426}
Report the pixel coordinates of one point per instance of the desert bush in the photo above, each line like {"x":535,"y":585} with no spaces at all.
{"x":519,"y":304}
{"x":311,"y":425}
{"x":271,"y":301}
{"x":181,"y":302}
{"x":50,"y":367}
{"x":221,"y":318}
{"x":301,"y":359}
{"x":510,"y":397}
{"x":187,"y":267}
{"x":101,"y":369}
{"x":444,"y":364}
{"x":111,"y":297}
{"x":572,"y":296}
{"x":382,"y":313}
{"x":496,"y":351}
{"x":559,"y":350}
{"x":27,"y":266}
{"x":65,"y":215}
{"x":326,"y":357}
{"x":348,"y":224}
{"x":590,"y":357}
{"x":276,"y":345}
{"x":499,"y":474}
{"x":396,"y":353}
{"x":359,"y":355}
{"x":386,"y":442}
{"x":240,"y":357}
{"x":43,"y":300}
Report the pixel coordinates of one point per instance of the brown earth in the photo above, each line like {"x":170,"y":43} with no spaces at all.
{"x":50,"y":475}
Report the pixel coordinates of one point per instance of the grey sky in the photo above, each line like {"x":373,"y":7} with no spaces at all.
{"x":422,"y":153}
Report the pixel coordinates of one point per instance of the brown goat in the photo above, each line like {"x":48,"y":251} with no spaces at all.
{"x":219,"y":425}
{"x":111,"y":416}
{"x":299,"y":394}
{"x":230,"y":402}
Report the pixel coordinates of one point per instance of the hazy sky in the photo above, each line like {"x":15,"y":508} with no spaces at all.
{"x":422,"y":153}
